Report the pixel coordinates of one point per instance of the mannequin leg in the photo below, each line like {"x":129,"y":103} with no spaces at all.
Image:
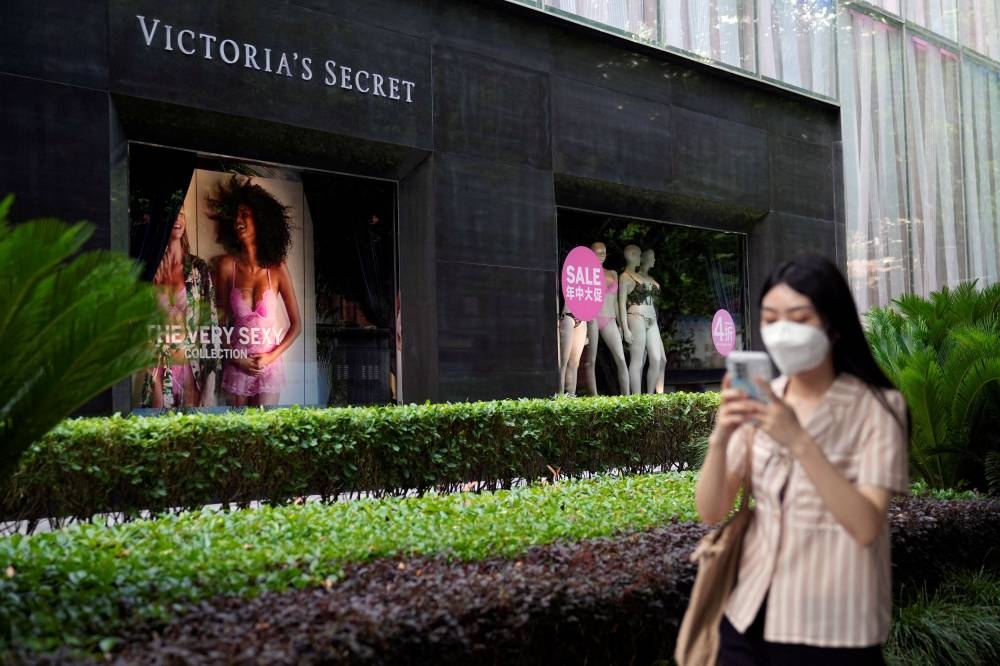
{"x":612,"y":337}
{"x":636,"y":351}
{"x":590,"y":357}
{"x":657,"y":360}
{"x":578,"y":341}
{"x":565,"y":347}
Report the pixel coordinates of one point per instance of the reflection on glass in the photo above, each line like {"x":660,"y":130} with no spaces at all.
{"x":721,"y":30}
{"x":635,"y":16}
{"x":937,"y":234}
{"x":981,"y":124}
{"x":795,"y":40}
{"x":940,"y":16}
{"x":871,"y":90}
{"x":674,"y":279}
{"x":980,"y":26}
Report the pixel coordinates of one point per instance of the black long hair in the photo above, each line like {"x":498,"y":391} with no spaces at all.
{"x":819,"y":279}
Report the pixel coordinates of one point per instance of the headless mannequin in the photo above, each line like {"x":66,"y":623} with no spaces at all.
{"x":638,"y":317}
{"x":606,"y":328}
{"x":572,"y":339}
{"x":648,"y":261}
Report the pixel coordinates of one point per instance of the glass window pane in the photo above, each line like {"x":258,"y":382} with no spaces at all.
{"x":721,"y":30}
{"x":871,"y":92}
{"x":795,"y":40}
{"x":937,"y":231}
{"x":980,"y":26}
{"x":940,"y":16}
{"x":635,"y":16}
{"x":981,"y":124}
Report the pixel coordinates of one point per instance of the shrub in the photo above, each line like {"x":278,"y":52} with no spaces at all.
{"x":943,"y":353}
{"x":183,"y":461}
{"x":88,"y":582}
{"x":71,"y":325}
{"x":593,"y":570}
{"x":959,"y":624}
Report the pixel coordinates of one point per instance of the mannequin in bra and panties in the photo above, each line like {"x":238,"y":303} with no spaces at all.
{"x":255,"y":230}
{"x":605,"y":327}
{"x":637,"y":313}
{"x":572,"y":339}
{"x":648,"y":261}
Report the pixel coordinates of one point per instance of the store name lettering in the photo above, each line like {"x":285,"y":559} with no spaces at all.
{"x":279,"y":63}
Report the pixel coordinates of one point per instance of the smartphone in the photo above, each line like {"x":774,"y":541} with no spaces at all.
{"x":745,"y":368}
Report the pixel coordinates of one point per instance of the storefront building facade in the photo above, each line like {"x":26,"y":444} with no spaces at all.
{"x":430,"y":165}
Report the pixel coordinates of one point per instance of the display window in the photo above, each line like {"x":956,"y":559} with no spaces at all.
{"x":278,"y":283}
{"x":674,"y":302}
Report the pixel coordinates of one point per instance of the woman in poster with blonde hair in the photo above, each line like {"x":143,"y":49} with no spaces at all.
{"x":255,"y":230}
{"x":184,"y":286}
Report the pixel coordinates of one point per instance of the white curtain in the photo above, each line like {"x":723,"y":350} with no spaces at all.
{"x":718,"y":29}
{"x":635,"y":16}
{"x":981,"y":137}
{"x":871,"y":92}
{"x":795,"y":40}
{"x":979,"y":27}
{"x":940,"y":16}
{"x":937,"y":231}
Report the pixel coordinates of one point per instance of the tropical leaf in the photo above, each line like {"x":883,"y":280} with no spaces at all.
{"x":71,"y":325}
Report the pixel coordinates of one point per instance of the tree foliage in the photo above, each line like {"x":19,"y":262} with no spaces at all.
{"x":943,"y":352}
{"x":72,"y":323}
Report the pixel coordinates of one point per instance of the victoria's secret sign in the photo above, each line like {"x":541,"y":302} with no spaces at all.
{"x":191,"y":43}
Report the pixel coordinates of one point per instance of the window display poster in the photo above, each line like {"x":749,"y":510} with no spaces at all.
{"x":240,"y":324}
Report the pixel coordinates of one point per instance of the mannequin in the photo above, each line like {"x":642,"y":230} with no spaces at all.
{"x":638,"y":316}
{"x":648,"y":261}
{"x":607,"y":328}
{"x":572,"y":339}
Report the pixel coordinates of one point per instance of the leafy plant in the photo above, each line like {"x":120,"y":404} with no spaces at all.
{"x":943,"y":353}
{"x":72,"y":323}
{"x":89,"y":581}
{"x":958,"y":624}
{"x":100,"y":465}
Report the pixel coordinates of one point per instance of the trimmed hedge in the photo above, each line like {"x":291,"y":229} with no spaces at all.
{"x":602,"y":601}
{"x":183,"y":461}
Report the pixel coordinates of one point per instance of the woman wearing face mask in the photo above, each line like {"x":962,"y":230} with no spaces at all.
{"x":829,"y":450}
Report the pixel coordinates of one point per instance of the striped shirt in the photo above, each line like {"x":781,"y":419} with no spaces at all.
{"x":822,"y":588}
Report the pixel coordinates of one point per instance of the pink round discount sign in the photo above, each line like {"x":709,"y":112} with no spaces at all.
{"x":583,"y":283}
{"x":723,"y":332}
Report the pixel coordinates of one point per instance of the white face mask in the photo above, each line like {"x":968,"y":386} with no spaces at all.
{"x":795,"y":347}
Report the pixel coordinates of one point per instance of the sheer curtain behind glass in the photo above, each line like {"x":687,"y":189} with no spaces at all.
{"x":937,"y":232}
{"x":981,"y":136}
{"x":795,"y":41}
{"x":634,"y":16}
{"x":980,"y":26}
{"x":718,"y":29}
{"x":940,"y":16}
{"x":871,"y":93}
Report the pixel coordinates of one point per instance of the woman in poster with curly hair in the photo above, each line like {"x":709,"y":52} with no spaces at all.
{"x":255,"y":230}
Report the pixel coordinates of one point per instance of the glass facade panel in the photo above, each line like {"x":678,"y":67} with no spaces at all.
{"x":980,"y":26}
{"x":940,"y":16}
{"x":937,"y":232}
{"x":721,"y":30}
{"x":871,"y":90}
{"x":981,"y":136}
{"x":795,"y":39}
{"x":635,"y":16}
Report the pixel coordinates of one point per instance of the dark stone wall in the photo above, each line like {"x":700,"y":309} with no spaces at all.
{"x":514,"y":113}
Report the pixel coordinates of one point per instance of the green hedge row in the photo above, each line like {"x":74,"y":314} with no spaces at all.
{"x":111,"y":465}
{"x":87,"y":583}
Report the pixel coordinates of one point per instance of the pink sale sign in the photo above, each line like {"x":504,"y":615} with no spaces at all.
{"x":583,"y":283}
{"x":724,"y":332}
